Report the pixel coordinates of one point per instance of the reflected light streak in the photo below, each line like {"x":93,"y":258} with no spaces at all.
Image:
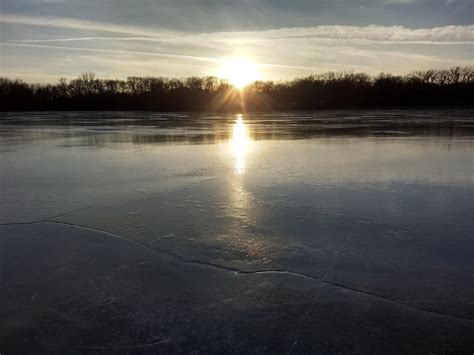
{"x":240,"y":141}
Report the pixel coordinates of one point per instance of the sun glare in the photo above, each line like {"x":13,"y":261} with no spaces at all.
{"x":239,"y":72}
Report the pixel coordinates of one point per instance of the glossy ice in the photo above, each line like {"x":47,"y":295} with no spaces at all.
{"x":332,"y":232}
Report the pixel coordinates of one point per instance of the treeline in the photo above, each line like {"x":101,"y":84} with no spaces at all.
{"x":451,"y":87}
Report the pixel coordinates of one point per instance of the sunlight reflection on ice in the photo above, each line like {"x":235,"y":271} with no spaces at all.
{"x":240,"y":141}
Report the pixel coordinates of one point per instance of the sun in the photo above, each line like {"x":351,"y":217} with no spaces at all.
{"x":239,"y":72}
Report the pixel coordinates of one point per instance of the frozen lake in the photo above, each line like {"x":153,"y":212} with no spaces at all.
{"x":329,"y":232}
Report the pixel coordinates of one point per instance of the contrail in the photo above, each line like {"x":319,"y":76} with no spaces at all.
{"x":117,"y":51}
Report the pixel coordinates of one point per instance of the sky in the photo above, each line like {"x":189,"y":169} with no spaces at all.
{"x":43,"y":40}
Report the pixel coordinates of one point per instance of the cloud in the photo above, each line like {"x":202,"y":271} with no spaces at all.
{"x":399,"y":34}
{"x":85,"y":25}
{"x":114,"y":51}
{"x":373,"y":33}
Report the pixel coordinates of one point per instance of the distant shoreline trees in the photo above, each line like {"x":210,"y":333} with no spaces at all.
{"x":450,"y":87}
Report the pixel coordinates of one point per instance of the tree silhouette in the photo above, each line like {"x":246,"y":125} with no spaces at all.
{"x":450,"y":87}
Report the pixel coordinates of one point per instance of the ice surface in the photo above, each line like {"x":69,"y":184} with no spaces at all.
{"x":335,"y":232}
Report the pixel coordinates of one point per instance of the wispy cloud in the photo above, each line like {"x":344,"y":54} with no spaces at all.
{"x":114,"y":51}
{"x":85,"y":25}
{"x":373,"y":33}
{"x":397,"y":34}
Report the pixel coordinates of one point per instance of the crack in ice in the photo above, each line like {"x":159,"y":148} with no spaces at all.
{"x":237,"y":272}
{"x":132,"y":347}
{"x":152,"y":195}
